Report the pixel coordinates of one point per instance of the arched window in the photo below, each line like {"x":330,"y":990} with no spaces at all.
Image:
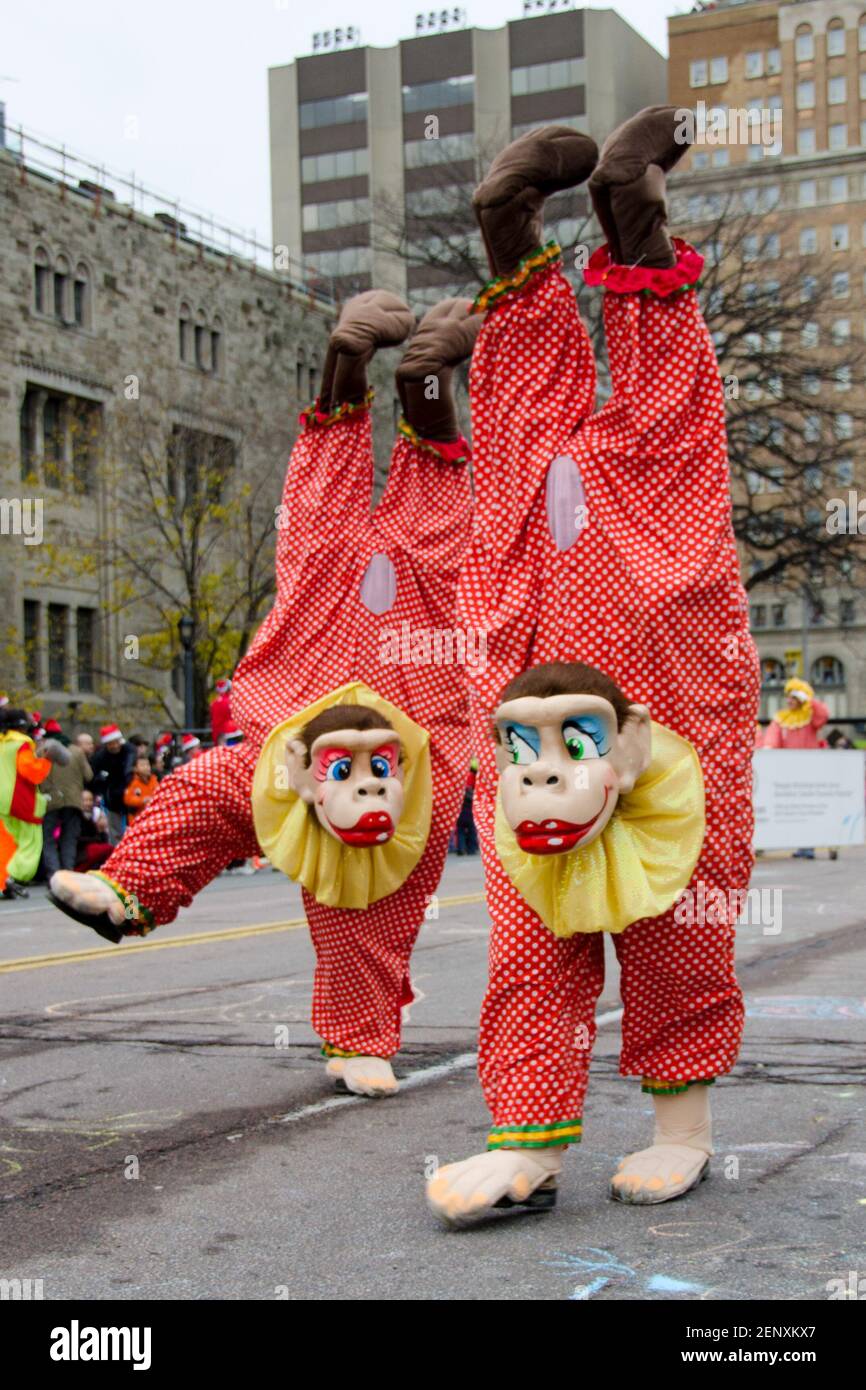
{"x":804,"y":43}
{"x":184,"y":333}
{"x":202,"y":343}
{"x":61,"y":290}
{"x":835,"y":38}
{"x":772,"y":673}
{"x":828,"y":673}
{"x":81,"y":296}
{"x":216,"y":345}
{"x":41,"y":281}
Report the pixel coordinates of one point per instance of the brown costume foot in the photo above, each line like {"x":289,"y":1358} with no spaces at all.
{"x":372,"y":320}
{"x":509,"y":203}
{"x":628,"y":186}
{"x":445,"y":338}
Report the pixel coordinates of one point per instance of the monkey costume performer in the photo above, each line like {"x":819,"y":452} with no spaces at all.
{"x":346,"y":578}
{"x":636,"y":575}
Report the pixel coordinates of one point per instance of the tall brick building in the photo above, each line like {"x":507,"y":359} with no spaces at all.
{"x":803,"y":64}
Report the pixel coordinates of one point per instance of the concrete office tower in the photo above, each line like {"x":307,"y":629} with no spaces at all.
{"x":361,"y":136}
{"x":805,"y":65}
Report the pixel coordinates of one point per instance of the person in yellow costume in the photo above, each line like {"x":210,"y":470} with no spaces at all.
{"x":22,"y":805}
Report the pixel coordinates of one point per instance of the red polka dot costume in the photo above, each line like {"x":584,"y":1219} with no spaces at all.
{"x":649,"y":591}
{"x":318,"y":636}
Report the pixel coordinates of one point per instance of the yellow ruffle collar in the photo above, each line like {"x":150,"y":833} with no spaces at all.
{"x":640,"y":863}
{"x":339,"y":875}
{"x":794,"y":718}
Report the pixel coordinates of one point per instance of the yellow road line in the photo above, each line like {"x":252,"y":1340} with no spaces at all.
{"x":169,"y":943}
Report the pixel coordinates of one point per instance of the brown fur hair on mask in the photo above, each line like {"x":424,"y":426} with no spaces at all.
{"x":342,"y":717}
{"x":568,"y":678}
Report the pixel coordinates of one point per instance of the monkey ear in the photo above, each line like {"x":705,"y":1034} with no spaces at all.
{"x":634,"y":747}
{"x":299,"y":773}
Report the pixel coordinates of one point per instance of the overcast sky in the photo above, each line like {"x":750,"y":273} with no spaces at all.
{"x":176,"y":90}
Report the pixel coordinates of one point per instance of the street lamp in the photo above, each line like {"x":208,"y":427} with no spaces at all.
{"x":186,"y":631}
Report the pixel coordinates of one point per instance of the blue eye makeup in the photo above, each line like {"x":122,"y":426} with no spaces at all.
{"x":522,"y":741}
{"x":586,"y":736}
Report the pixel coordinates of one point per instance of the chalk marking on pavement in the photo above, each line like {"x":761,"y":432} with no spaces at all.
{"x":195,"y":939}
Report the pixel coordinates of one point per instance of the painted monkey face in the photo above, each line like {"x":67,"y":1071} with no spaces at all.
{"x":353,"y":781}
{"x":563,"y":765}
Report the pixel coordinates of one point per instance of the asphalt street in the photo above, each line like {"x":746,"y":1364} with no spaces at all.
{"x":167,"y":1130}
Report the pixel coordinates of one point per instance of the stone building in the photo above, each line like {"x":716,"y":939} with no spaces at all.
{"x":145,"y":363}
{"x":800,"y":68}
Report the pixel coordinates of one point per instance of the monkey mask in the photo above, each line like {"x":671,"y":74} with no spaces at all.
{"x":563,"y":764}
{"x":344,"y":810}
{"x":600,"y":811}
{"x":353,"y":780}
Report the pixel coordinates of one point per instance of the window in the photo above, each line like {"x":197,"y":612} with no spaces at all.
{"x":216,"y":346}
{"x":839,"y":188}
{"x":863,"y":132}
{"x":805,"y":95}
{"x":844,"y":471}
{"x":342,"y":212}
{"x":838,"y":137}
{"x":61,"y":289}
{"x":808,"y":286}
{"x":200,"y":342}
{"x":755,"y":153}
{"x":809,"y":335}
{"x":807,"y":193}
{"x":350,"y":260}
{"x":842,"y":378}
{"x":840,"y":284}
{"x":840,"y":331}
{"x":53,"y":439}
{"x":806,"y":140}
{"x":184,"y":334}
{"x":31,"y":643}
{"x":843,"y":425}
{"x":41,"y":280}
{"x":828,"y":671}
{"x":198,"y":466}
{"x":835,"y":40}
{"x":774,"y":61}
{"x":862,"y":36}
{"x":808,"y":241}
{"x":58,"y":622}
{"x":333,"y":111}
{"x":772,"y":248}
{"x":863,"y":86}
{"x":698,"y":73}
{"x":759,"y":615}
{"x":718,"y":70}
{"x":85,"y":629}
{"x":340,"y":164}
{"x":804,"y":46}
{"x":836,"y":95}
{"x":839,"y":236}
{"x":445,"y":150}
{"x":847,"y":612}
{"x":812,"y":429}
{"x":720,"y":158}
{"x":810,"y":384}
{"x":772,"y":672}
{"x":755,"y":64}
{"x":450,"y":91}
{"x":778,"y":614}
{"x":771,"y":197}
{"x":81,"y":296}
{"x":546,"y":77}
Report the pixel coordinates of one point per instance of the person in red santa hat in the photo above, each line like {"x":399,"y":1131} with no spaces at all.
{"x":221,"y":709}
{"x":112,"y":765}
{"x":190,"y":747}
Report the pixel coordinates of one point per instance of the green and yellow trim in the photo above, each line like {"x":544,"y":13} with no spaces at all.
{"x":449,"y":451}
{"x":328,"y":1050}
{"x":496,"y":290}
{"x":135,"y":912}
{"x":535,"y":1136}
{"x":651,"y":1086}
{"x":313,"y":417}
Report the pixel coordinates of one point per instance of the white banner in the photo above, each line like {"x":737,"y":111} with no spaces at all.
{"x":808,"y":797}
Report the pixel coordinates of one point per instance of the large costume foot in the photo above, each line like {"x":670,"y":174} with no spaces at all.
{"x":679,"y":1157}
{"x":90,"y":901}
{"x":445,"y":337}
{"x":464,"y":1192}
{"x":628,"y":186}
{"x":372,"y":320}
{"x":509,"y":203}
{"x":364,"y":1076}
